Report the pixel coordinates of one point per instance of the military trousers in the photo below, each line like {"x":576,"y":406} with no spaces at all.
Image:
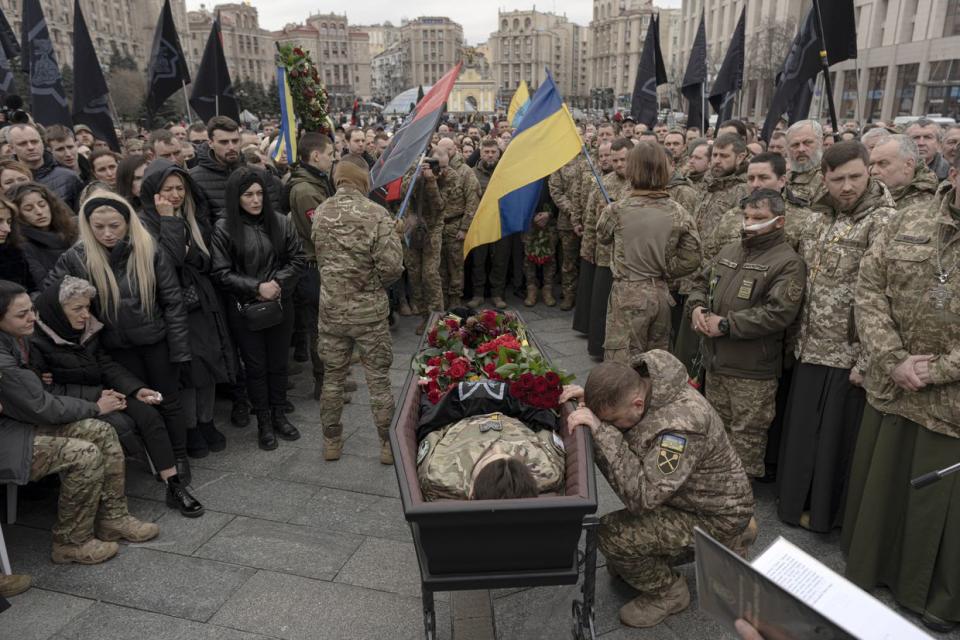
{"x":747,"y":408}
{"x":569,"y":262}
{"x":375,"y":346}
{"x":549,"y":235}
{"x":451,"y":260}
{"x":423,"y":273}
{"x":638,"y":319}
{"x":89,"y":459}
{"x":644,"y":548}
{"x":499,"y":254}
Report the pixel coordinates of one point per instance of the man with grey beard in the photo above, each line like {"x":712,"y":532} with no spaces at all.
{"x":804,"y":152}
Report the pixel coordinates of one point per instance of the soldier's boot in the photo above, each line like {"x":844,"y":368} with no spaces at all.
{"x":386,"y":453}
{"x":266,"y":439}
{"x":568,"y":302}
{"x":283,"y":428}
{"x":332,"y":447}
{"x":647,"y":610}
{"x":531,"y":298}
{"x":499,"y":303}
{"x":741,"y":544}
{"x":93,"y":551}
{"x":475,"y":302}
{"x":126,"y":528}
{"x":414,"y":309}
{"x":405,"y":309}
{"x":13,"y":585}
{"x":548,"y":298}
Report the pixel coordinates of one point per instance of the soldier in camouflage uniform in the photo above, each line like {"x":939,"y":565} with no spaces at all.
{"x":895,"y":161}
{"x":447,"y":457}
{"x":588,"y":238}
{"x":458,"y":215}
{"x":359,"y":254}
{"x":908,"y":316}
{"x":697,"y":167}
{"x":664,"y":451}
{"x":564,"y":186}
{"x":425,"y":228}
{"x":804,"y":152}
{"x":818,"y":437}
{"x":653,"y":239}
{"x":542,"y":233}
{"x":683,"y":192}
{"x":742,"y":303}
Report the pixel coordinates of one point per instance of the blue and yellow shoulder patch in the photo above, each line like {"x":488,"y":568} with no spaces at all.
{"x":671,"y":450}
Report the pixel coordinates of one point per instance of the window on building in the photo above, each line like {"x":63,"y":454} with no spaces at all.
{"x":848,"y":97}
{"x":906,"y":89}
{"x":875,"y":90}
{"x":951,"y":26}
{"x":943,"y":88}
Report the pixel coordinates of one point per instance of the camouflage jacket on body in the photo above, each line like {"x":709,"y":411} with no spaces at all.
{"x":589,"y":215}
{"x":564,"y":187}
{"x":757,"y":285}
{"x":921,"y":190}
{"x":902,"y":312}
{"x":432,"y":196}
{"x":797,"y":215}
{"x":678,"y":455}
{"x":359,"y":254}
{"x":653,"y":237}
{"x":469,"y":197}
{"x":807,"y":185}
{"x":617,"y":188}
{"x":833,"y":246}
{"x":446,"y":457}
{"x":682,"y":190}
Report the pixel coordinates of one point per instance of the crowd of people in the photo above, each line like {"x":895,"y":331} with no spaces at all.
{"x":805,"y":287}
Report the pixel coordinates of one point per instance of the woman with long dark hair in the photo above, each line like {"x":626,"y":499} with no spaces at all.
{"x":13,"y":264}
{"x":130,"y":176}
{"x":48,"y":226}
{"x":257,"y":260}
{"x":177,"y":216}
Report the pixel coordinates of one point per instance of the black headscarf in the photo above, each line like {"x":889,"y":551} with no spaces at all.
{"x":238,"y":182}
{"x":51,"y":313}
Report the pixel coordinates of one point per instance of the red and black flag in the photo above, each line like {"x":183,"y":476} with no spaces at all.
{"x":412,"y":138}
{"x":212,"y":93}
{"x":91,"y":97}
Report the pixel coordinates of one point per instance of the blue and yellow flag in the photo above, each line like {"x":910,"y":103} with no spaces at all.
{"x":519,"y":104}
{"x":546,"y":140}
{"x":287,"y":137}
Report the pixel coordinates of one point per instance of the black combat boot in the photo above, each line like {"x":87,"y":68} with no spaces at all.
{"x":183,"y":469}
{"x":240,"y":413}
{"x":282,"y":426}
{"x":179,"y":497}
{"x":215,"y":440}
{"x":266,"y":437}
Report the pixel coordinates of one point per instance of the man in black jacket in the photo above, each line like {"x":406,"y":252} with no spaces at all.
{"x":28,"y":147}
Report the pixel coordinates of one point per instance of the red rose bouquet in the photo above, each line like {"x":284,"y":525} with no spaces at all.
{"x":540,"y":246}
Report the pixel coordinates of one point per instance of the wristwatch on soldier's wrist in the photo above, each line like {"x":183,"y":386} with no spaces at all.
{"x":724,"y":326}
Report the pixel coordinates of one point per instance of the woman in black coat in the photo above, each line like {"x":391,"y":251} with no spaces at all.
{"x":257,"y":260}
{"x":176,"y":215}
{"x":47,"y":225}
{"x":13,"y":264}
{"x":138,"y":300}
{"x":72,"y":363}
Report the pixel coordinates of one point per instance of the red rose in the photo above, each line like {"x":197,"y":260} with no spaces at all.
{"x":489,"y":318}
{"x":458,"y":370}
{"x":450,"y":356}
{"x":552,"y":378}
{"x":434,"y":361}
{"x":433,"y":372}
{"x":433,"y":396}
{"x":526,"y":379}
{"x":515,"y":390}
{"x":432,"y":337}
{"x":298,"y":51}
{"x":452,"y":324}
{"x":490,"y":368}
{"x":540,"y":385}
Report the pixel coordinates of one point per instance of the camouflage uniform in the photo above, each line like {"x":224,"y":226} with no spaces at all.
{"x":590,"y":211}
{"x":89,"y":459}
{"x":564,"y":187}
{"x":652,"y":238}
{"x":683,"y":192}
{"x":617,"y":188}
{"x":807,"y":185}
{"x":550,"y":266}
{"x":673,"y":470}
{"x":358,"y":254}
{"x":757,"y":285}
{"x":446,"y":457}
{"x":461,"y":205}
{"x":719,"y":196}
{"x":797,"y":216}
{"x":421,"y":254}
{"x":922,"y":189}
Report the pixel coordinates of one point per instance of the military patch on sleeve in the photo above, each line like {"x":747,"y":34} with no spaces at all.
{"x":671,"y":450}
{"x":794,"y":290}
{"x":310,"y":214}
{"x":423,"y":451}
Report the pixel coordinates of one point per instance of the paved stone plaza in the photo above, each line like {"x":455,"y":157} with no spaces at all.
{"x":296,"y":548}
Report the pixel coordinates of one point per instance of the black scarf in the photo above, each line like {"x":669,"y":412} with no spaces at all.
{"x":51,"y":314}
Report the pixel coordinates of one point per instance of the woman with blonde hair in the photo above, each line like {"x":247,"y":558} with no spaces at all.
{"x":175,"y":213}
{"x":138,"y":300}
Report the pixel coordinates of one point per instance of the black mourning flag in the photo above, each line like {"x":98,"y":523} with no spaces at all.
{"x":694,"y":79}
{"x":48,"y":100}
{"x":730,"y":78}
{"x":212,"y":92}
{"x":167,"y":71}
{"x":6,"y":72}
{"x":8,"y":39}
{"x":650,"y":75}
{"x":91,"y":97}
{"x":793,"y":93}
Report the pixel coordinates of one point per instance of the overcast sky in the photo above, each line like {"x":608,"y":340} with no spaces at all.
{"x":478,"y":21}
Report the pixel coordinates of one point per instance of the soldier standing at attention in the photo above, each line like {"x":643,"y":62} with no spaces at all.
{"x":457,"y":218}
{"x":895,"y":161}
{"x":565,"y":190}
{"x":908,"y":314}
{"x":826,"y":399}
{"x":359,"y":254}
{"x":588,"y":239}
{"x":805,"y":151}
{"x":499,"y":251}
{"x":653,"y":239}
{"x":742,"y":303}
{"x":662,"y":448}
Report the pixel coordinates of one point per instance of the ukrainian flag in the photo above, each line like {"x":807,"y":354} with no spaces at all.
{"x":546,"y":140}
{"x":287,"y":138}
{"x":519,"y":104}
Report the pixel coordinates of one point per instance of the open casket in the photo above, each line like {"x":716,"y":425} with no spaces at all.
{"x":487,"y":544}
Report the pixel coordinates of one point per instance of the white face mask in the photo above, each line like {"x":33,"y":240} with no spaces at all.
{"x":762,"y":226}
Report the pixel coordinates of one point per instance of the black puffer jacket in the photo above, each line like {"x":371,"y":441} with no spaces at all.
{"x":81,"y":370}
{"x":132,"y":326}
{"x":41,"y":249}
{"x":60,"y":180}
{"x":211,"y":176}
{"x":14,"y":267}
{"x":241,"y":264}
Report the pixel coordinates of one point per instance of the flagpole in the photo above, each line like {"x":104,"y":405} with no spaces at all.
{"x":596,"y":176}
{"x":186,"y":100}
{"x":825,"y":63}
{"x":413,"y":181}
{"x":704,"y":116}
